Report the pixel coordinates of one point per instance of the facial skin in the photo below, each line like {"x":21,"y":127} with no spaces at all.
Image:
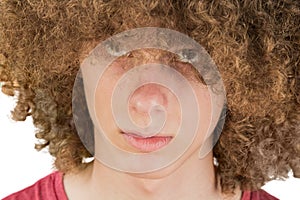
{"x":143,"y":98}
{"x":187,"y":178}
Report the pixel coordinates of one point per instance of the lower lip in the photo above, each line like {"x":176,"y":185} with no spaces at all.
{"x":147,"y":144}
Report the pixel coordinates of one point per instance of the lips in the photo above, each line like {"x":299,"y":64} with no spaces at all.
{"x":147,"y":144}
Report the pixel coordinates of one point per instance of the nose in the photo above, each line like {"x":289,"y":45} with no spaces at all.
{"x":147,"y":96}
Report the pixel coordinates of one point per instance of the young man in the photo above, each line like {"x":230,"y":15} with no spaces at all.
{"x":254,"y":46}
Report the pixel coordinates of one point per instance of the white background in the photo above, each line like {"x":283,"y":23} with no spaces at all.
{"x":21,"y":165}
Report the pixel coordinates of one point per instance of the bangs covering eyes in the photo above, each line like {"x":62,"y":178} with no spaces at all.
{"x":145,"y":56}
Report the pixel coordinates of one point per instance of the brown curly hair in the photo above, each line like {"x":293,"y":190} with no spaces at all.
{"x":254,"y":43}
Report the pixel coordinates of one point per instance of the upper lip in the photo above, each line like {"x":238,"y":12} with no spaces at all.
{"x":139,"y":135}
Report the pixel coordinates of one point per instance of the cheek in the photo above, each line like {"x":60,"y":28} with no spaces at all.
{"x":103,"y":96}
{"x":205,"y":113}
{"x":105,"y":87}
{"x":205,"y":107}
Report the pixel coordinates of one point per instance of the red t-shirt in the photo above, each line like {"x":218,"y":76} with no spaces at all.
{"x":51,"y":188}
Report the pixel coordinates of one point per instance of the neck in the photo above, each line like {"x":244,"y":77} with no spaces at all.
{"x":194,"y":179}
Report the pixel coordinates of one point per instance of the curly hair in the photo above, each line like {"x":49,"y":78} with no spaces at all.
{"x":254,"y":43}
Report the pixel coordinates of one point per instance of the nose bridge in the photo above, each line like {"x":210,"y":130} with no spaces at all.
{"x":148,"y":96}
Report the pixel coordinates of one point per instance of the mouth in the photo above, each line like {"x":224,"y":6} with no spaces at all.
{"x":146,"y":144}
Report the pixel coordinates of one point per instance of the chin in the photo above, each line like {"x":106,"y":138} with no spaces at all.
{"x":187,"y":158}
